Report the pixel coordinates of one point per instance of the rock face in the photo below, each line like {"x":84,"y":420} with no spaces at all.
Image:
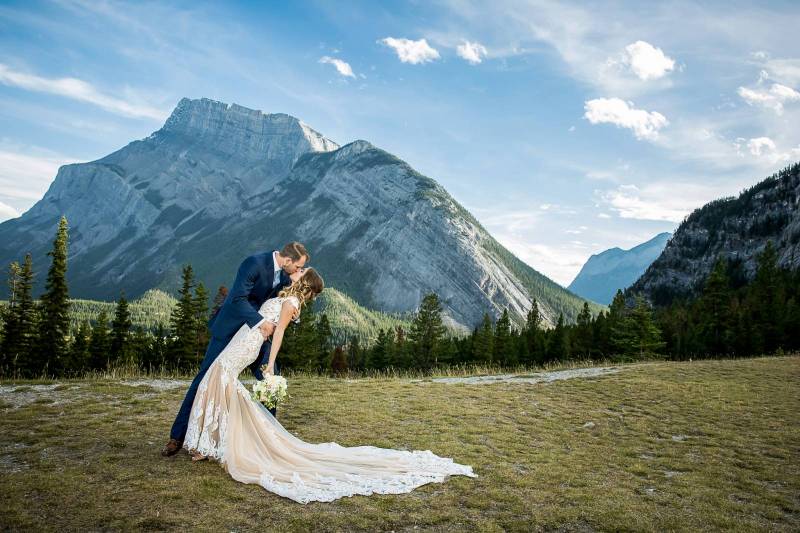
{"x":606,"y":272}
{"x":736,"y":229}
{"x":219,"y":182}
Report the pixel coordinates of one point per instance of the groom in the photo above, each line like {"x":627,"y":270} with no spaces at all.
{"x":259,"y":278}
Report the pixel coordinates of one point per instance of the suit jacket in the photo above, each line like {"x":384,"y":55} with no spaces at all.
{"x":251,"y":288}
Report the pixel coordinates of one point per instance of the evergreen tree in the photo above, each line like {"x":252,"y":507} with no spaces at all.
{"x":618,"y":326}
{"x":22,"y":318}
{"x":355,"y":354}
{"x":219,"y":299}
{"x":483,"y":344}
{"x":78,"y":360}
{"x":119,"y":351}
{"x":645,"y":335}
{"x":427,"y":332}
{"x":9,"y":346}
{"x":583,"y":333}
{"x":766,"y":300}
{"x":183,"y":324}
{"x":401,"y":354}
{"x":323,"y":339}
{"x":533,"y":336}
{"x":338,"y":361}
{"x":53,"y":341}
{"x":379,"y":353}
{"x":140,"y":345}
{"x":558,"y":349}
{"x":201,"y":317}
{"x":502,"y":348}
{"x":716,"y":323}
{"x":100,"y":343}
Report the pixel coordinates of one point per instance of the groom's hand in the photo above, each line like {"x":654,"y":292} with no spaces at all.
{"x":266,"y":328}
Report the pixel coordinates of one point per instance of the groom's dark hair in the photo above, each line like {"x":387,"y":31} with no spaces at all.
{"x":294,"y":251}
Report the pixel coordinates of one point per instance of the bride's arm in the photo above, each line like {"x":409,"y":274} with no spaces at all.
{"x":287,"y":313}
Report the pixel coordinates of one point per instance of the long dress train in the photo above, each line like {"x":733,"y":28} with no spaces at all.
{"x":228,"y":425}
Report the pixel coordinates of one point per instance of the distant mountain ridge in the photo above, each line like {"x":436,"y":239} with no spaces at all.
{"x":219,"y":182}
{"x":604,"y":273}
{"x":736,"y":229}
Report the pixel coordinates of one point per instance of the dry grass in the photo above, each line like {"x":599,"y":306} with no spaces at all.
{"x":674,"y":446}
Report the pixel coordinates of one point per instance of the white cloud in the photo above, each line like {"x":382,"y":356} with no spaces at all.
{"x":78,"y":90}
{"x":26,"y":174}
{"x":774,"y":98}
{"x":471,"y":52}
{"x":786,"y":70}
{"x":342,"y":67}
{"x":7,"y":212}
{"x":665,"y":201}
{"x":647,"y":61}
{"x":766,"y":149}
{"x":414,"y":52}
{"x":761,"y":145}
{"x":644,"y":124}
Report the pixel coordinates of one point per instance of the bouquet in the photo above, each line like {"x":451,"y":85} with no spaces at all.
{"x":270,"y":391}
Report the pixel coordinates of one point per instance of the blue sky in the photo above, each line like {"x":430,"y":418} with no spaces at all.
{"x":565,"y":128}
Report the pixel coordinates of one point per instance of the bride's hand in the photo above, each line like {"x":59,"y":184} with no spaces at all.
{"x":268,"y":371}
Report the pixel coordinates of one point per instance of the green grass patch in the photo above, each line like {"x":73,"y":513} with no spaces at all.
{"x":704,"y":445}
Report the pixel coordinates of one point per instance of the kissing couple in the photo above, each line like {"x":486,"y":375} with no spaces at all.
{"x":218,"y":418}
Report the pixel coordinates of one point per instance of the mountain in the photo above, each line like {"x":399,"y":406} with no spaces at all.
{"x":218,"y":182}
{"x":614,"y":269}
{"x":736,"y":229}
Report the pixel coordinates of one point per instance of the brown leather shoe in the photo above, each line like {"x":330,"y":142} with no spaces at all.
{"x":172,"y":447}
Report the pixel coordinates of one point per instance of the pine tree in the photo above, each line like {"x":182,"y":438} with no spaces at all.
{"x":183,"y":324}
{"x":401,"y":357}
{"x":646,"y":336}
{"x":427,"y":332}
{"x":119,"y":351}
{"x":378,"y":354}
{"x":20,"y":343}
{"x":78,"y":360}
{"x":618,"y":326}
{"x":219,"y":299}
{"x":53,"y":342}
{"x":140,"y":345}
{"x":558,"y":350}
{"x":338,"y":361}
{"x":483,"y":344}
{"x":9,"y":346}
{"x":355,"y":354}
{"x":531,"y":335}
{"x":583,"y":332}
{"x":100,"y":344}
{"x":303,"y":351}
{"x":502,"y":348}
{"x":323,"y":339}
{"x":202,"y":334}
{"x":767,"y":301}
{"x":716,"y":325}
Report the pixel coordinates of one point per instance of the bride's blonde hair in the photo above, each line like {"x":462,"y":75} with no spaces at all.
{"x":308,"y":287}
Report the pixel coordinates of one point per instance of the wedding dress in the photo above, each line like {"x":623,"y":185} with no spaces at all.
{"x":239,"y":432}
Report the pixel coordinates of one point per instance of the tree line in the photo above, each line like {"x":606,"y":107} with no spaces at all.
{"x":726,"y":320}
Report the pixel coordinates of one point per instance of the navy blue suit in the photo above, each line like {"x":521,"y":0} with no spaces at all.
{"x":254,"y":284}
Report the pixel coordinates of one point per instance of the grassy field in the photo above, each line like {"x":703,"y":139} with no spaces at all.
{"x":656,"y":446}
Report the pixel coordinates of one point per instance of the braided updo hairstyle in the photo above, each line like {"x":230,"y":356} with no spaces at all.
{"x":308,"y":287}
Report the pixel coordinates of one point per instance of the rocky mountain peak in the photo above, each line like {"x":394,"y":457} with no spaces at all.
{"x":237,"y":127}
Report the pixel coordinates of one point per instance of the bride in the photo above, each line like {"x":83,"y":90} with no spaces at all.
{"x":226,"y":424}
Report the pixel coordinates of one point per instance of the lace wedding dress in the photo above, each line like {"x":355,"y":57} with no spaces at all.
{"x":229,"y":426}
